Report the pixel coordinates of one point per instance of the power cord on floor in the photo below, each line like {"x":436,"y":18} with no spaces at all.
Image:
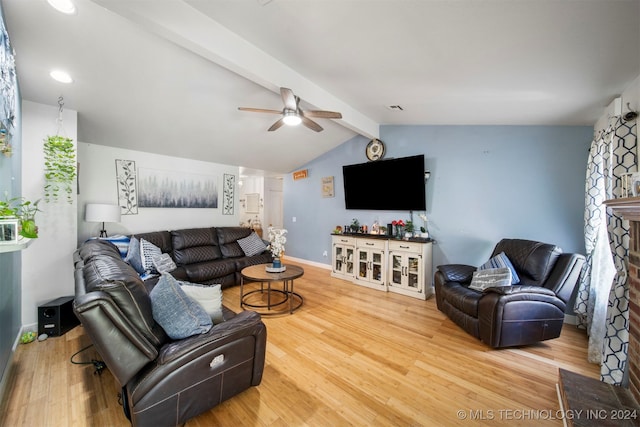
{"x":97,"y":364}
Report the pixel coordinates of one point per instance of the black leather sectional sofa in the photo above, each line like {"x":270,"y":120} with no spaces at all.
{"x":166,"y":381}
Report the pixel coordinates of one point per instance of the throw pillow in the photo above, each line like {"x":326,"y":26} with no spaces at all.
{"x":163,"y":263}
{"x":490,"y":278}
{"x":502,"y":261}
{"x":208,"y":296}
{"x":147,"y":251}
{"x":179,"y":315}
{"x":133,"y":255}
{"x":252,"y":244}
{"x":121,"y":242}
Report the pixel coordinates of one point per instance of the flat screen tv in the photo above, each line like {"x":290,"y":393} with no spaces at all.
{"x":389,"y":185}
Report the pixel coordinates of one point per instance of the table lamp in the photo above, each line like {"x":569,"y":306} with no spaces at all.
{"x":99,"y":212}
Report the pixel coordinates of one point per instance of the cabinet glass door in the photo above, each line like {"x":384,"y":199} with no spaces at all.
{"x":413,"y":275}
{"x":376,"y":267}
{"x":338,"y":257}
{"x":362,"y":263}
{"x":396,"y":269}
{"x":348,"y":261}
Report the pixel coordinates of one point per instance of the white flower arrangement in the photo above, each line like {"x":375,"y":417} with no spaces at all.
{"x":277,"y":239}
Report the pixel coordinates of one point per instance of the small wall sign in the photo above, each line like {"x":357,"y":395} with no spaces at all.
{"x":301,"y":174}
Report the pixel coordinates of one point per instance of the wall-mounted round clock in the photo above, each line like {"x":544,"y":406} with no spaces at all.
{"x":375,"y":149}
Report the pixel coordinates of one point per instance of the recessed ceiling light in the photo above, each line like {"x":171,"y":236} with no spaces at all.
{"x":61,"y":76}
{"x":64,"y":6}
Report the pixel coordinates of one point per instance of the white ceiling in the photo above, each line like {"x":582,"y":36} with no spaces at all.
{"x":167,"y":76}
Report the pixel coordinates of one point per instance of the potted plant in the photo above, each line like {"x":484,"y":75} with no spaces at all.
{"x":409,"y":228}
{"x":27,"y":214}
{"x":24,"y":212}
{"x":423,"y":229}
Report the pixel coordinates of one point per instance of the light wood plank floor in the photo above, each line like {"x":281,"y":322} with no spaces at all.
{"x":349,"y":356}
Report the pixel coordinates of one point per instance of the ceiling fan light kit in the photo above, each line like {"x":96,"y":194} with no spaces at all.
{"x":291,"y":118}
{"x":292,"y":114}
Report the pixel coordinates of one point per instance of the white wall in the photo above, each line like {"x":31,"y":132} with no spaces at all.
{"x":47,"y":268}
{"x":97,"y":182}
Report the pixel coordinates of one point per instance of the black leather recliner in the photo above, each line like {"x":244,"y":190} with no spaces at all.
{"x":516,"y":315}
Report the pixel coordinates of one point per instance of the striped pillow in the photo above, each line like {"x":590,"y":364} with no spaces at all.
{"x":501,"y":261}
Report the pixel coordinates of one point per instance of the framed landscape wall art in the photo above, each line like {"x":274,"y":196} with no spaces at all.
{"x":168,"y":189}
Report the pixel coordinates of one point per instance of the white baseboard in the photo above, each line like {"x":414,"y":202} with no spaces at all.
{"x":304,"y":261}
{"x":570,"y":319}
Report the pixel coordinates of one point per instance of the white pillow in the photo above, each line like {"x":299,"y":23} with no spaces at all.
{"x":208,"y":296}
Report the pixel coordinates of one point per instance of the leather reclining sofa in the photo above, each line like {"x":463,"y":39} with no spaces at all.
{"x":209,"y":255}
{"x":165,"y":381}
{"x":525,"y":313}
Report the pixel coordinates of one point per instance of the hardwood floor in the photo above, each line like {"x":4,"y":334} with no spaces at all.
{"x":349,"y":356}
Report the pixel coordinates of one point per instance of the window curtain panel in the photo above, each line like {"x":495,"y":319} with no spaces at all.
{"x":602,"y":301}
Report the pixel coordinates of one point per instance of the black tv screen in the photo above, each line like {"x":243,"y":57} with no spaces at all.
{"x":390,"y":185}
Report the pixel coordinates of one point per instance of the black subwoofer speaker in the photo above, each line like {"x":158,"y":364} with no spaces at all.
{"x":56,"y":317}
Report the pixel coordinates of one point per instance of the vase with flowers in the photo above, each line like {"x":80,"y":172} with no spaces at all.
{"x":277,"y":240}
{"x":399,"y":228}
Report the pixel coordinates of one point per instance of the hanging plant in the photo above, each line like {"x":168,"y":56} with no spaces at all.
{"x":59,"y":168}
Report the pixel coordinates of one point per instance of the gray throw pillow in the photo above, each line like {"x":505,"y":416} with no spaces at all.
{"x":252,"y":245}
{"x":490,"y":278}
{"x":179,"y":315}
{"x":163,"y":263}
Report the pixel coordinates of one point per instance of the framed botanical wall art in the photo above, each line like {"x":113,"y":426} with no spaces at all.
{"x":170,"y":189}
{"x":127,"y":186}
{"x":228,"y":194}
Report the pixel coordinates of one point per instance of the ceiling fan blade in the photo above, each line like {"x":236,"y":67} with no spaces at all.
{"x":311,"y":124}
{"x":276,"y":125}
{"x":323,"y":114}
{"x":289,"y":99}
{"x":259,"y":110}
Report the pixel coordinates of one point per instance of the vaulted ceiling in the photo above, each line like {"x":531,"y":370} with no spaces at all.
{"x":167,"y":76}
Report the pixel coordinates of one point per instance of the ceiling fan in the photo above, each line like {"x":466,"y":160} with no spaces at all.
{"x":293,"y":115}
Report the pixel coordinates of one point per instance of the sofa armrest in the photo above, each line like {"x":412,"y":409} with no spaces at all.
{"x":245,"y":323}
{"x":521,"y":289}
{"x":457,"y":272}
{"x":115,"y":338}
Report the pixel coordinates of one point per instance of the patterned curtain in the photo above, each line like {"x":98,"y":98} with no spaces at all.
{"x":603,"y":295}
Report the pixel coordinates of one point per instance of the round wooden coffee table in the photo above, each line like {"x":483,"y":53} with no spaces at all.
{"x":266,"y":300}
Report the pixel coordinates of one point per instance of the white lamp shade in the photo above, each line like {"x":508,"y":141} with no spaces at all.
{"x":98,"y":212}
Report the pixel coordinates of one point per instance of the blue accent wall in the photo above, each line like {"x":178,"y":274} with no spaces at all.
{"x":487,"y":182}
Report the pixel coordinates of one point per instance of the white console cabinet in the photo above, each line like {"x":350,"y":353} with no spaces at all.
{"x":384,"y":263}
